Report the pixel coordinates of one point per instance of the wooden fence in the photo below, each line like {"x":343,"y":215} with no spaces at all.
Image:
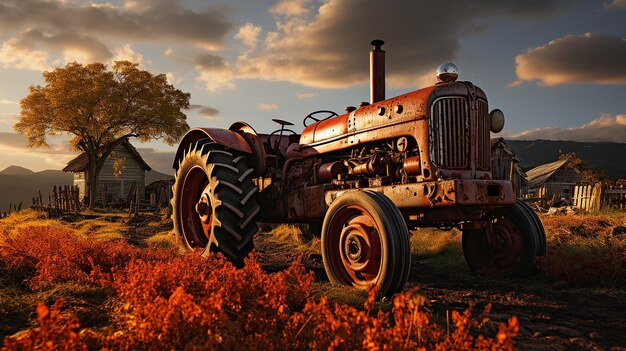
{"x":63,"y":198}
{"x":586,"y":197}
{"x":12,"y":208}
{"x":615,"y":197}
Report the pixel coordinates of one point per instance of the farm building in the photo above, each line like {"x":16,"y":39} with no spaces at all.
{"x":131,"y":171}
{"x":553,"y":178}
{"x":505,"y":164}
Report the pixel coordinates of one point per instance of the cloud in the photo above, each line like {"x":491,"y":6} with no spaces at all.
{"x":205,"y":111}
{"x":580,"y":59}
{"x":306,"y":95}
{"x":267,"y":107}
{"x":151,"y":21}
{"x":126,"y":53}
{"x":56,"y":155}
{"x":214,"y":71}
{"x":158,"y":160}
{"x":15,"y":55}
{"x":291,"y":7}
{"x":616,"y":4}
{"x":249,"y":34}
{"x":45,"y":33}
{"x":328,"y":49}
{"x":8,"y":102}
{"x":604,"y":128}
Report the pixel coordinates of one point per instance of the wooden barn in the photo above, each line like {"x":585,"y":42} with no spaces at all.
{"x":131,"y":171}
{"x":505,"y":164}
{"x":554,"y":178}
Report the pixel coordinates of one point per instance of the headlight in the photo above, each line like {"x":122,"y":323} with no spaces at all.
{"x":497,"y":120}
{"x":447,"y":72}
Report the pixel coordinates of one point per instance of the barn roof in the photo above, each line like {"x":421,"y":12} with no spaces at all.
{"x":500,"y":143}
{"x":79,"y":163}
{"x":540,"y":174}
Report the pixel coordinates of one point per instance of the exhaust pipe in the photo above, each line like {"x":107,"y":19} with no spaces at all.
{"x":377,"y":72}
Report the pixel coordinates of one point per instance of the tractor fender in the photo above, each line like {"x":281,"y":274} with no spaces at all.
{"x":257,"y":160}
{"x":227,"y":138}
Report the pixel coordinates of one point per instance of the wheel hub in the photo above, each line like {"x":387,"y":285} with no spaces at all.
{"x":354,"y":247}
{"x":357,"y":253}
{"x":203,"y":209}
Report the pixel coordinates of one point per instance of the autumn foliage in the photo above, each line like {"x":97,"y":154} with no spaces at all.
{"x":160,"y":300}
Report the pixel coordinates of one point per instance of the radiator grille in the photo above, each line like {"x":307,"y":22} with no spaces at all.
{"x":483,"y":153}
{"x":450,"y":132}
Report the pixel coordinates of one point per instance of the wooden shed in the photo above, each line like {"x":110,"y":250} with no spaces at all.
{"x":505,"y":165}
{"x":553,"y":178}
{"x":131,"y":174}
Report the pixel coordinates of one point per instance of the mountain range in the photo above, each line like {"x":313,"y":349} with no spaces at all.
{"x":19,"y":184}
{"x":606,"y":157}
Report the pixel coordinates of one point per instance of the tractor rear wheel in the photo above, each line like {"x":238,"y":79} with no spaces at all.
{"x":365,"y":243}
{"x":214,"y":205}
{"x":508,"y":245}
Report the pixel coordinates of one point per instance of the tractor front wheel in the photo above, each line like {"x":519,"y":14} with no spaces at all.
{"x":365,"y":243}
{"x":214,"y":206}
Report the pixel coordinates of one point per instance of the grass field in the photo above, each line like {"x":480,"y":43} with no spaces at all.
{"x":106,"y":284}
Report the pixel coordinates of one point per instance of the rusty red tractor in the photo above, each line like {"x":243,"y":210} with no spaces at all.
{"x":361,"y":180}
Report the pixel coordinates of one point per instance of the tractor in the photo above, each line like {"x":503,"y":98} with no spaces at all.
{"x":361,"y":180}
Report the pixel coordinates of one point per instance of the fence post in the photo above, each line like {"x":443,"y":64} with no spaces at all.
{"x":596,"y":194}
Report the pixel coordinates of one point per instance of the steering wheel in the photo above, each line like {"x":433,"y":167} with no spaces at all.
{"x":310,"y":116}
{"x":269,"y":138}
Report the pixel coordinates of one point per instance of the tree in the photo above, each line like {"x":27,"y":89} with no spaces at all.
{"x":101,"y":109}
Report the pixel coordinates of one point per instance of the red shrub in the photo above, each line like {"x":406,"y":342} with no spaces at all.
{"x":47,"y":255}
{"x":55,"y":332}
{"x":166,"y":301}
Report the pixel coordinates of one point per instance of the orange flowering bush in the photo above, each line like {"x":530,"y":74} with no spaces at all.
{"x":162,"y":301}
{"x":47,"y":255}
{"x":55,"y":332}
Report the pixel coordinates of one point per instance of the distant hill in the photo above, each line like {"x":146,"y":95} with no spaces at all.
{"x":16,"y":170}
{"x":599,"y":156}
{"x":18,"y":184}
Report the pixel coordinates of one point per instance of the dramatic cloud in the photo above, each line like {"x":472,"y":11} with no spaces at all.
{"x":267,"y":107}
{"x":604,"y":128}
{"x":205,"y":111}
{"x":137,"y":20}
{"x":588,"y":58}
{"x":329,"y":48}
{"x":44,"y":32}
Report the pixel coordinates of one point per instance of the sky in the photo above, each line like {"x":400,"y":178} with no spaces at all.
{"x":556,"y":68}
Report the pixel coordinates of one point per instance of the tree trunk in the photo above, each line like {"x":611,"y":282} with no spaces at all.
{"x":92,"y":176}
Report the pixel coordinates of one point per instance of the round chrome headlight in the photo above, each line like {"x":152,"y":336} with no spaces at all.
{"x":447,"y":72}
{"x":497,"y":120}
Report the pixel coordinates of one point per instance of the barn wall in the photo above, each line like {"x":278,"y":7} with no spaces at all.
{"x":79,"y":181}
{"x":501,"y":163}
{"x":116,"y":186}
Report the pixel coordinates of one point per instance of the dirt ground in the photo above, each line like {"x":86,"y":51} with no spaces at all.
{"x":551,"y":317}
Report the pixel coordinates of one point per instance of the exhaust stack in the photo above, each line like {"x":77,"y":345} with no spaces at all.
{"x":377,"y":72}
